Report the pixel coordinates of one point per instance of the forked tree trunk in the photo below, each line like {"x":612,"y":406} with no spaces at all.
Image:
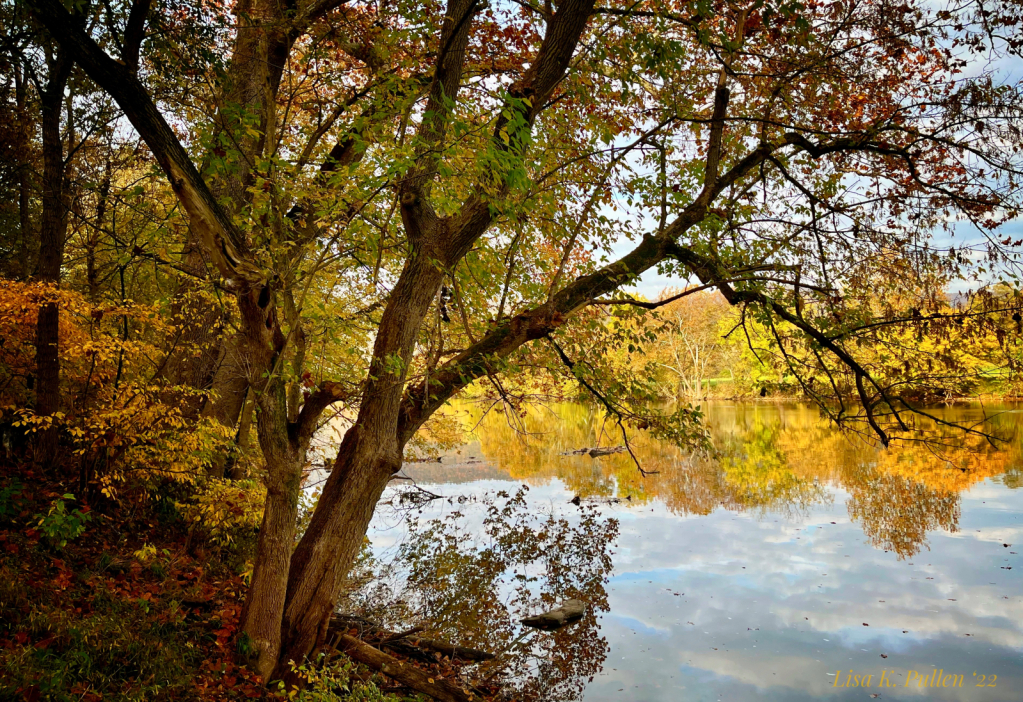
{"x":371,"y":450}
{"x":369,"y":455}
{"x":261,"y":49}
{"x":206,"y":360}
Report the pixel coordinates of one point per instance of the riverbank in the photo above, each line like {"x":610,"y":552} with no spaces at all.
{"x":136,"y":605}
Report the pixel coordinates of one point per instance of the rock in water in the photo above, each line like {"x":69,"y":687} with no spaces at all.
{"x":564,"y":614}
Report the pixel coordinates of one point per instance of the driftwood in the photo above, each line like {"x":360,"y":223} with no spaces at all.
{"x":452,"y":651}
{"x":402,"y":635}
{"x":564,"y":614}
{"x":407,"y":643}
{"x":596,"y":451}
{"x":405,"y":673}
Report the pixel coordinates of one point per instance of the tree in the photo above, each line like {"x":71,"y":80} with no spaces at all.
{"x":50,"y":101}
{"x":691,"y":342}
{"x":49,"y":74}
{"x":772,"y":151}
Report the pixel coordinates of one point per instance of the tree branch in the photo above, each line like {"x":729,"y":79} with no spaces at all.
{"x":224,"y":242}
{"x":134,"y":33}
{"x":325,"y":395}
{"x":611,"y":409}
{"x":526,"y":99}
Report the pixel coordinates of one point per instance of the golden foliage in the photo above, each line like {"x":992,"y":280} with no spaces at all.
{"x":120,"y":417}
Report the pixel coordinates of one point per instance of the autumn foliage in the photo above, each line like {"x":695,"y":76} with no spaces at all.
{"x":123,"y":427}
{"x":237,"y":224}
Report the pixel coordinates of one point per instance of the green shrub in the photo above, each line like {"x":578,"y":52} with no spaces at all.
{"x":117,"y":651}
{"x":60,"y":525}
{"x":10,"y":496}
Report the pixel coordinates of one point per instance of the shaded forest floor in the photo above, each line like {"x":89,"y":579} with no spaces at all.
{"x":134,"y":608}
{"x":125,"y":611}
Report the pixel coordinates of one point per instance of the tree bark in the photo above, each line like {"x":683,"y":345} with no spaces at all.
{"x":264,"y":605}
{"x":320,"y":563}
{"x":369,"y":455}
{"x":261,"y":48}
{"x":236,"y":468}
{"x":52,"y":234}
{"x":28,"y":243}
{"x":230,"y":384}
{"x":284,"y":446}
{"x":248,"y":97}
{"x":300,"y":344}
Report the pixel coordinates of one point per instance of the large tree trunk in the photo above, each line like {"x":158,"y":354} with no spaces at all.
{"x":206,"y":360}
{"x":52,"y":234}
{"x":264,"y":606}
{"x":329,"y":547}
{"x":260,"y":51}
{"x":369,"y":455}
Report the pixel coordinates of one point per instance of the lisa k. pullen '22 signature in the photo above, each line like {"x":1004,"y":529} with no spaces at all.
{"x":936,"y":678}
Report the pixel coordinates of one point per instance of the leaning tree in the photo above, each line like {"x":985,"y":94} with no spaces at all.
{"x":492,"y":176}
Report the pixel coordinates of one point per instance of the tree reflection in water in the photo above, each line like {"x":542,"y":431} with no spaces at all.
{"x":777,"y":458}
{"x":470,"y":576}
{"x":493,"y":559}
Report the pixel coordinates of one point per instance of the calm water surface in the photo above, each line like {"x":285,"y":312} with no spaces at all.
{"x":797,"y":555}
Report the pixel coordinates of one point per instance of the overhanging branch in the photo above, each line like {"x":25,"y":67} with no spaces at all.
{"x":224,"y":242}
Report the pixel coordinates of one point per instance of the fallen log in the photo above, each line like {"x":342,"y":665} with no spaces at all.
{"x":596,"y":451}
{"x":405,"y":673}
{"x":402,"y":635}
{"x":564,"y":614}
{"x":605,"y":451}
{"x":407,"y":642}
{"x":451,"y":651}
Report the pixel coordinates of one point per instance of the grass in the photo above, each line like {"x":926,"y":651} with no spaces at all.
{"x":113,"y":648}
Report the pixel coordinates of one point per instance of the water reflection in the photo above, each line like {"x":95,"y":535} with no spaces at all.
{"x":779,"y":459}
{"x":795,"y":554}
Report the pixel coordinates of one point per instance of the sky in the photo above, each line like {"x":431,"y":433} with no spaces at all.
{"x":652,"y":283}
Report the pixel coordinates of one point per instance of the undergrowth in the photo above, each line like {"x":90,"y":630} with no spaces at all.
{"x":138,"y":602}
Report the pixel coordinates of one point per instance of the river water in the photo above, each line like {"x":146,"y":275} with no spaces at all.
{"x":790,"y":566}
